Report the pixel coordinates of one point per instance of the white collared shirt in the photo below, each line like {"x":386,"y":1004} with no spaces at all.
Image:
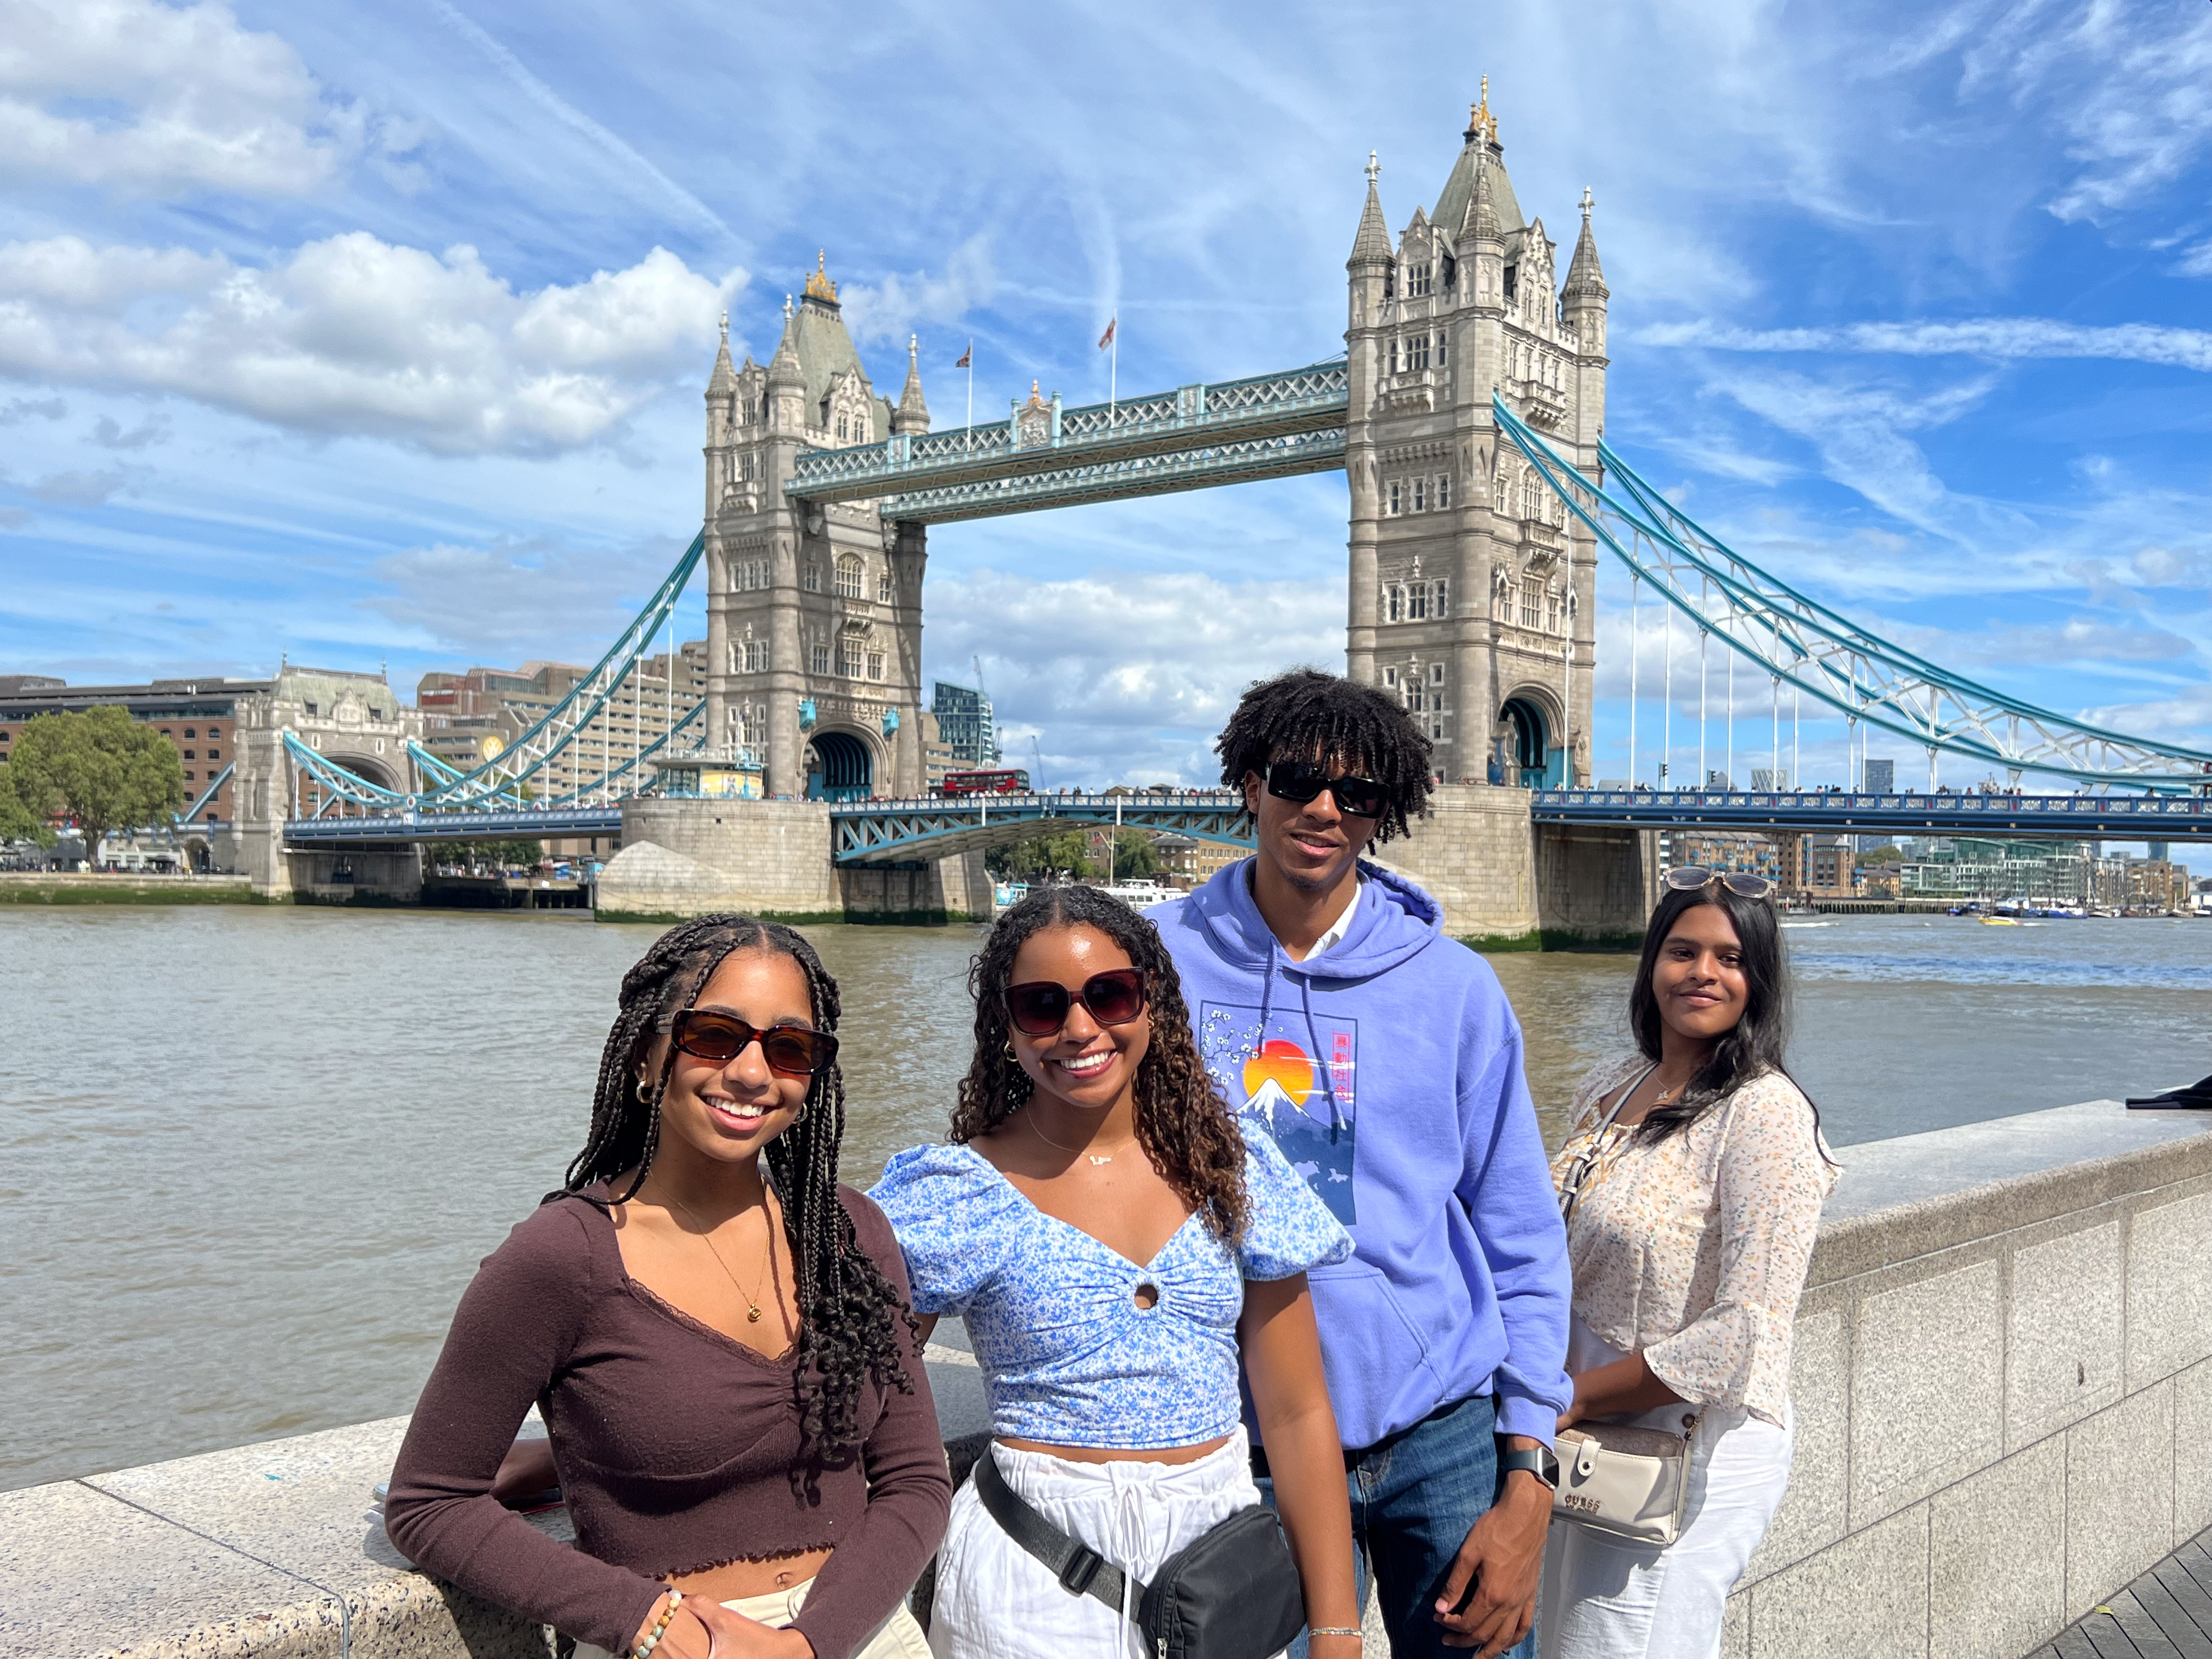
{"x":1334,"y":933}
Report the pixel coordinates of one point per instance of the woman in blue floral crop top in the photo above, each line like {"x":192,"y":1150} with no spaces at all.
{"x":1116,"y":1248}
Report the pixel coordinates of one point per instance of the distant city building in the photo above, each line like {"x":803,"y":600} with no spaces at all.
{"x":937,"y":756}
{"x":471,"y":718}
{"x":1768,"y":779}
{"x":1878,"y":777}
{"x":228,"y":735}
{"x":1717,"y":779}
{"x":965,"y":725}
{"x":1186,"y":861}
{"x":1825,"y":868}
{"x":1744,"y":850}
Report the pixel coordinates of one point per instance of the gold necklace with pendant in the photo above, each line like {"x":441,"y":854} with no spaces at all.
{"x":1096,"y":1157}
{"x":752,"y":1302}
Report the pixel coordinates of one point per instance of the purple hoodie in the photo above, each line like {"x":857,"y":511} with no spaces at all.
{"x":1428,"y":1152}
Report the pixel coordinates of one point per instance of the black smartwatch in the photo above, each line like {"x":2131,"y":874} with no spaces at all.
{"x":1537,"y":1459}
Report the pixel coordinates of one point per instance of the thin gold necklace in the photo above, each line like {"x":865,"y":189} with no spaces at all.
{"x":1096,"y":1157}
{"x":706,"y":1237}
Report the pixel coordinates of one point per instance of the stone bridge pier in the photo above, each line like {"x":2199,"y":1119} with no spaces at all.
{"x":1505,"y":881}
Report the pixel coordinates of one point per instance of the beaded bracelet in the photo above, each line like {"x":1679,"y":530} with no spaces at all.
{"x":644,"y":1649}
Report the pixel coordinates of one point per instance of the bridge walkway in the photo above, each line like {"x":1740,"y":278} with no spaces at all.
{"x":2165,"y":1614}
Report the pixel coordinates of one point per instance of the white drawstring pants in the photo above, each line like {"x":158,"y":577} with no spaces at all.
{"x":1607,"y":1598}
{"x":995,"y":1601}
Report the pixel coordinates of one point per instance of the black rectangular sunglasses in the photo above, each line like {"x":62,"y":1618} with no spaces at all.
{"x":1042,"y":1006}
{"x":1301,"y":780}
{"x":719,"y":1038}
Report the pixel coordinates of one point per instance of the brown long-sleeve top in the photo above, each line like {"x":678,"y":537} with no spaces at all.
{"x":679,"y":1447}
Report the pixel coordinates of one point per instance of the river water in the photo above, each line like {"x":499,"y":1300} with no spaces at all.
{"x":250,"y":1156}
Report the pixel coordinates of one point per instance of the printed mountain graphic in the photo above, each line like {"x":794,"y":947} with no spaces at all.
{"x":1273,"y":1107}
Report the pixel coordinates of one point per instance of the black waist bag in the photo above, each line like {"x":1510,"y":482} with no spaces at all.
{"x":1232,"y":1593}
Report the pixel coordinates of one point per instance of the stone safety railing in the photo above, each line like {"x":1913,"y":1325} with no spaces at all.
{"x":2002,"y":1397}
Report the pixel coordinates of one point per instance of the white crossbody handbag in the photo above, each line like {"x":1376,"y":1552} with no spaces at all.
{"x":1616,"y":1478}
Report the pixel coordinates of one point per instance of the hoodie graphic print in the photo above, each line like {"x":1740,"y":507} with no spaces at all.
{"x":1294,"y":1081}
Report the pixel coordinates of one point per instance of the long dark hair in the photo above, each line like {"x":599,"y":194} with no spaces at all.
{"x":1183,"y":1123}
{"x":1760,"y":1043}
{"x":849,"y":1312}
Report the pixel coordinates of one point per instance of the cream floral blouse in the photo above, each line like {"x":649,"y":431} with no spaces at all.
{"x":1695,"y":1250}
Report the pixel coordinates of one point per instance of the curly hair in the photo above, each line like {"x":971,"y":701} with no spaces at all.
{"x":849,"y":1314}
{"x":1306,"y":714}
{"x":1182,"y":1122}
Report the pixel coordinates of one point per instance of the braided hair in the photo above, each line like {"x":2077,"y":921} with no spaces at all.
{"x":848,"y":1311}
{"x":1183,"y":1123}
{"x":1306,"y":714}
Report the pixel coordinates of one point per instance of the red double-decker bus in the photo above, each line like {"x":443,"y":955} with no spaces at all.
{"x":1008,"y":780}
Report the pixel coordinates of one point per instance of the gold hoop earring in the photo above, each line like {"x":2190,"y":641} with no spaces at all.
{"x":644,"y":1094}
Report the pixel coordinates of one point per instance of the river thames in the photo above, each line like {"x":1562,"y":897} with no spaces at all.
{"x":252,"y":1156}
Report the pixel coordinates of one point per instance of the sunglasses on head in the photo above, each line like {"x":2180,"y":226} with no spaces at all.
{"x":1301,"y":780}
{"x":1689,"y":878}
{"x":1041,"y":1008}
{"x":718,"y":1039}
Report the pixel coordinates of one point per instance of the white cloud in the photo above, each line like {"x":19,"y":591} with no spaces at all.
{"x":353,"y":336}
{"x":81,"y":488}
{"x":2197,"y":261}
{"x":1126,"y":677}
{"x":499,"y":604}
{"x":199,"y":101}
{"x":891,"y":309}
{"x":1988,"y":337}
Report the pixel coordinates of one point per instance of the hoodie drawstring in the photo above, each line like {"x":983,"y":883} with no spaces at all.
{"x":1336,"y":1120}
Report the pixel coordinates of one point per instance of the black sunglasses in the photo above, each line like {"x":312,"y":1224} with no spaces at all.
{"x":791,"y":1050}
{"x":1301,"y":780}
{"x":1041,"y":1007}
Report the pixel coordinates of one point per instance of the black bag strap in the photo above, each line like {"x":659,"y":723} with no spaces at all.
{"x":1080,"y":1569}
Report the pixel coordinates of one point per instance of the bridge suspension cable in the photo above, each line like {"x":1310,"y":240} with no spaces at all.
{"x":1871,"y":681}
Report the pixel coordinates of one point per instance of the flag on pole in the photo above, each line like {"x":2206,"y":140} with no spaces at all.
{"x":1107,"y":338}
{"x":967,"y":357}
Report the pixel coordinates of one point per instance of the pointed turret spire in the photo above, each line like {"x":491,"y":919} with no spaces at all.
{"x":913,"y":414}
{"x":724,"y":377}
{"x":1482,"y":207}
{"x":1373,"y":241}
{"x":1584,"y":275}
{"x":784,"y":368}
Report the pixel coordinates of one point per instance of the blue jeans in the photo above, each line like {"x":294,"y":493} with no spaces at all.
{"x":1414,"y":1498}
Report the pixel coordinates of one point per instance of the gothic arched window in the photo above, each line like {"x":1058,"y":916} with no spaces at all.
{"x":1440,"y":598}
{"x":1417,"y":603}
{"x":851,"y":575}
{"x":1397,"y":605}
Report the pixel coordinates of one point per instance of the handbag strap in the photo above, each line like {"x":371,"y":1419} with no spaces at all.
{"x":1588,"y":1162}
{"x":1080,"y":1569}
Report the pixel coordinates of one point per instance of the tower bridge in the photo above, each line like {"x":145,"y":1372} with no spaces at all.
{"x":1466,"y":413}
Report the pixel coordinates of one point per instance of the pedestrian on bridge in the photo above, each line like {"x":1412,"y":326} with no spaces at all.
{"x":1692,"y":1179}
{"x":716,"y":1334}
{"x":1381,"y":1058}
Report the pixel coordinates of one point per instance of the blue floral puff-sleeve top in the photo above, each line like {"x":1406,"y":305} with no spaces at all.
{"x":1068,"y":1355}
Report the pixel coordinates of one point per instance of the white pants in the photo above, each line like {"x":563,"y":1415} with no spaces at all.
{"x":1606,"y":1598}
{"x":897,"y":1637}
{"x":996,"y":1600}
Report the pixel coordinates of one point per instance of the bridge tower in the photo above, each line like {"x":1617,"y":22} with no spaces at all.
{"x":813,"y":611}
{"x":1473,"y":595}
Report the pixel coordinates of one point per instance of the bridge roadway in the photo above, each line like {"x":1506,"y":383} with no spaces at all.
{"x":396,"y":829}
{"x":2075,"y":817}
{"x":897,"y":831}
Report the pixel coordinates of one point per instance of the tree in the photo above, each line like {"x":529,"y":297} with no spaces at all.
{"x":1135,"y":858}
{"x":1875,"y":855}
{"x":102,"y":767}
{"x":1061,"y":854}
{"x":20,"y":819}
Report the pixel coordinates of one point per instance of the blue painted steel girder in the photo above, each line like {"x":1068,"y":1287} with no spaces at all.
{"x":903,"y":831}
{"x":1272,"y":405}
{"x":543,"y":824}
{"x":2070,"y":817}
{"x":1204,"y":468}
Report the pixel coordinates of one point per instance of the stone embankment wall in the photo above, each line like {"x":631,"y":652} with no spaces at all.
{"x":687,"y":857}
{"x":2003,"y":1397}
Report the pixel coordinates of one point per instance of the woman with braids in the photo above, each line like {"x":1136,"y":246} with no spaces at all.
{"x":1115,"y":1245}
{"x":716,"y":1333}
{"x":1692,"y":1178}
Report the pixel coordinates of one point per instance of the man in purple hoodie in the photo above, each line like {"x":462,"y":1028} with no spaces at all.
{"x":1382,"y":1059}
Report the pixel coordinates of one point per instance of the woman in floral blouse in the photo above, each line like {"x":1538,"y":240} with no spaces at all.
{"x":1696,"y":1172}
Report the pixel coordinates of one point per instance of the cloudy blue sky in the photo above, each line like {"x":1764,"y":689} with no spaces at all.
{"x":376,"y":333}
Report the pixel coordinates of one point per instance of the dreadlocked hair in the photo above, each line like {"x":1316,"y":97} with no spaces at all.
{"x":1308,"y":715}
{"x":848,"y":1313}
{"x":1182,"y":1122}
